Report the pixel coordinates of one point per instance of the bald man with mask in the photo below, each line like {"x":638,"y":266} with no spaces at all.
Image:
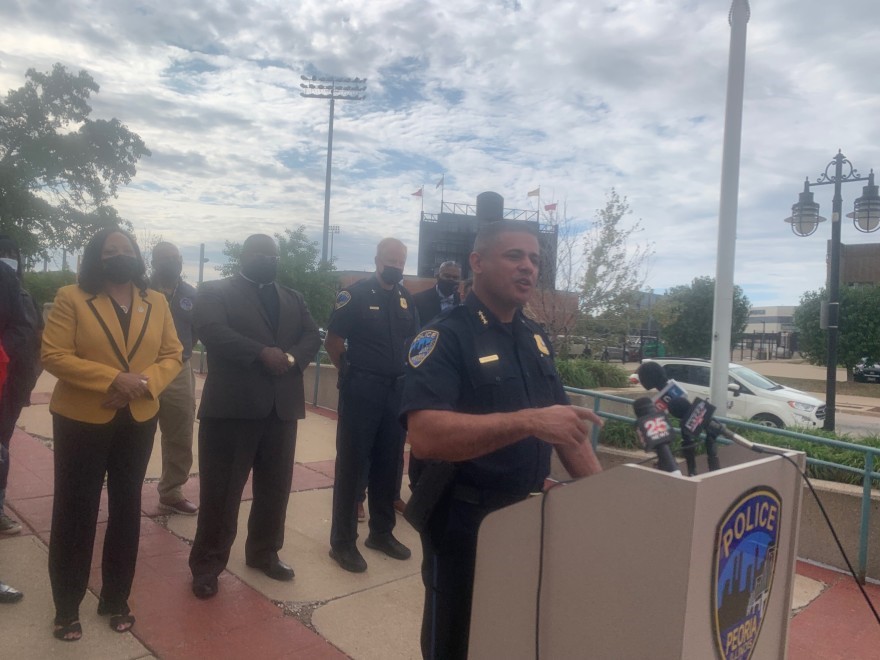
{"x":377,"y":318}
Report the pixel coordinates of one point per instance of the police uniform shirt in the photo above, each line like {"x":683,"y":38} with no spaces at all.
{"x":181,"y":303}
{"x":467,"y":361}
{"x":378,"y":325}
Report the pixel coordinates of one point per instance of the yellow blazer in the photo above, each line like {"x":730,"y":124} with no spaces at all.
{"x":83,"y":346}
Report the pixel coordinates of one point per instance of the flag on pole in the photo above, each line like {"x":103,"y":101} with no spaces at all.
{"x":440,"y":182}
{"x":418,"y":193}
{"x":550,"y":207}
{"x":535,"y":193}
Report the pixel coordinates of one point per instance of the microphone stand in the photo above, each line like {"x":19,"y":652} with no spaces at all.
{"x":711,"y":451}
{"x":689,"y":449}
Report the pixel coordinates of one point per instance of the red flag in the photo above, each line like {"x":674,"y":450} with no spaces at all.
{"x":418,"y":193}
{"x":550,"y":207}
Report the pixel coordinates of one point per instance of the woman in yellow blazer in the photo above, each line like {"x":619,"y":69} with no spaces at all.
{"x":111,"y":343}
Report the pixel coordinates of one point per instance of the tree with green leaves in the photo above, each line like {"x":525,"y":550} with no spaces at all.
{"x":615,"y":269}
{"x":685,"y":317}
{"x":300,"y":268}
{"x":859,"y":332}
{"x":59,"y":168}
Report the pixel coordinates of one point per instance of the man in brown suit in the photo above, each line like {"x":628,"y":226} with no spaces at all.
{"x":260,"y":337}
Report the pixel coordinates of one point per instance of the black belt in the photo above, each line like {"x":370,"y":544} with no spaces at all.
{"x":491,"y":499}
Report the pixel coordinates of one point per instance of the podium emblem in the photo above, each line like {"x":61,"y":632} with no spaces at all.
{"x":742,"y":570}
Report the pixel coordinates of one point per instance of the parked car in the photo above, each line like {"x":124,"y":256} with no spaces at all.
{"x":864,"y":372}
{"x":616,"y":353}
{"x":571,"y":346}
{"x":751,"y":396}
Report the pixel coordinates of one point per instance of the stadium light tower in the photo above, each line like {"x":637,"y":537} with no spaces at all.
{"x":333,"y":88}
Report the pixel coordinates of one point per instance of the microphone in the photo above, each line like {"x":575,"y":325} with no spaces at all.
{"x":695,"y":419}
{"x":652,"y":376}
{"x":655,"y":433}
{"x":698,"y":417}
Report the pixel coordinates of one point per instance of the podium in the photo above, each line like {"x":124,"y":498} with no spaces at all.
{"x":634,"y":563}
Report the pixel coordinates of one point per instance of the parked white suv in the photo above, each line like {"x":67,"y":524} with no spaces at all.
{"x":751,"y":397}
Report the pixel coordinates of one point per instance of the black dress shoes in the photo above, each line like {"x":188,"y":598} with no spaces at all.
{"x":389,"y":545}
{"x":349,"y":559}
{"x":204,"y":586}
{"x":274,"y":568}
{"x":9,"y":594}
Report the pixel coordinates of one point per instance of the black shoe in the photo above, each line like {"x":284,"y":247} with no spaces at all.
{"x":389,"y":545}
{"x":349,"y":558}
{"x":205,"y":586}
{"x":274,"y":568}
{"x":9,"y":594}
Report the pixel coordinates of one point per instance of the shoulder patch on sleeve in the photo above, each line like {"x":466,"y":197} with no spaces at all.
{"x":342,"y":299}
{"x":422,"y":346}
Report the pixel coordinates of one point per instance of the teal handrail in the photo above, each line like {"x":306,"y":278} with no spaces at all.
{"x":867,"y":473}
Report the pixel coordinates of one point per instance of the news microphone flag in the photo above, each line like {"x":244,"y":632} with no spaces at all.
{"x":670,"y":391}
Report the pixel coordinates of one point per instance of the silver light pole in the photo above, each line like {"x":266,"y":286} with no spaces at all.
{"x":333,"y":88}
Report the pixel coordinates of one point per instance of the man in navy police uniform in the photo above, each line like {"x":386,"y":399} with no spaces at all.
{"x":481,"y":390}
{"x":378,"y":319}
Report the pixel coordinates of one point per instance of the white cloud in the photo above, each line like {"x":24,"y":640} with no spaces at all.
{"x":573,"y":96}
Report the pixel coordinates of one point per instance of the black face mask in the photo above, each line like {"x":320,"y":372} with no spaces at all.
{"x":121,"y":268}
{"x":262,"y":270}
{"x":167,"y":272}
{"x":391,"y":275}
{"x":447,"y":287}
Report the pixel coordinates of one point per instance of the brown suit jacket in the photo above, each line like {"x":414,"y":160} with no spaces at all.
{"x":83,"y":345}
{"x":234,"y":327}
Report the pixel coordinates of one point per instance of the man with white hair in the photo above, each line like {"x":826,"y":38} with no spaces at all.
{"x":377,"y":318}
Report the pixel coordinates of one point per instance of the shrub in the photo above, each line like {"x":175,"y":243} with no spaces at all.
{"x":44,"y":286}
{"x":588,"y":374}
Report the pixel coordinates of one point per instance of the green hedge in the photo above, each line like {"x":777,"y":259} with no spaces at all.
{"x":589,"y":374}
{"x":622,"y":435}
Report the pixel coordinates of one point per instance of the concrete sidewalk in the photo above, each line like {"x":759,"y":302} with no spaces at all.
{"x":324,"y":613}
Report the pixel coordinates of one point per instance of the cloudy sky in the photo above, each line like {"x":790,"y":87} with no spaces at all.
{"x":505,"y":95}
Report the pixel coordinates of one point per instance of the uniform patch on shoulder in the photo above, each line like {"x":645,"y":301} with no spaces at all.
{"x":539,"y":340}
{"x":342,"y":299}
{"x":186,"y":304}
{"x":422,"y":346}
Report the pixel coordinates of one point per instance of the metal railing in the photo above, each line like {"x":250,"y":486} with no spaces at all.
{"x":866,"y":473}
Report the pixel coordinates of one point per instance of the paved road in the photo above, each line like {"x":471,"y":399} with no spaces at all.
{"x":857,"y":426}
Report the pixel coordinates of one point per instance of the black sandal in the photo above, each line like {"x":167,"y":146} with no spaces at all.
{"x":123,"y":617}
{"x":126,"y":620}
{"x":65,"y":628}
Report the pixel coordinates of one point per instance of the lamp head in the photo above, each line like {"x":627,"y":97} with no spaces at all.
{"x":866,"y":211}
{"x":805,"y":216}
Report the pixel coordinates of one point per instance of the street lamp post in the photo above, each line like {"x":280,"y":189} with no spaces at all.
{"x":333,"y":88}
{"x":805,"y":220}
{"x":333,"y":230}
